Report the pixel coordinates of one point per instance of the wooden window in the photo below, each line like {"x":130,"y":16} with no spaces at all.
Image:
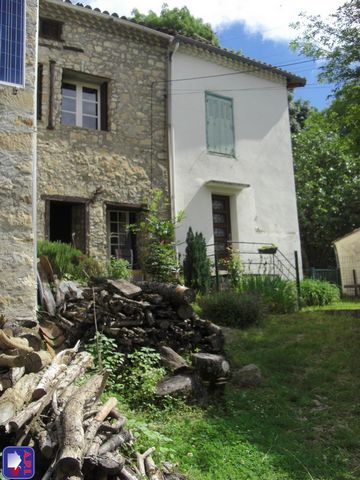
{"x":39,"y":91}
{"x":219,"y":124}
{"x":84,"y":104}
{"x":50,"y":29}
{"x":221,"y":222}
{"x":121,"y":241}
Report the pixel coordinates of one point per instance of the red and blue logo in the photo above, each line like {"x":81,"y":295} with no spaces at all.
{"x":18,"y":463}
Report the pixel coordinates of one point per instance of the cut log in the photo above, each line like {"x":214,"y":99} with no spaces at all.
{"x":36,"y":361}
{"x":178,"y":384}
{"x":141,"y":457}
{"x":184,"y":311}
{"x":152,"y":471}
{"x":112,"y":427}
{"x":57,"y":366}
{"x":13,"y":399}
{"x":47,"y":443}
{"x":111,"y":463}
{"x":20,"y":344}
{"x":97,"y":421}
{"x":175,"y":294}
{"x":210,"y":367}
{"x":127,"y":474}
{"x":123,"y":287}
{"x":172,"y":360}
{"x":47,"y":297}
{"x":73,"y":443}
{"x":11,"y":361}
{"x":116,"y":441}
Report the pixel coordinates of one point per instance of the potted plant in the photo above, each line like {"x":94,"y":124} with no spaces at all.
{"x":268,"y":249}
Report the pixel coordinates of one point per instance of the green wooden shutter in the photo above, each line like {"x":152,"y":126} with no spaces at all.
{"x":219,"y":124}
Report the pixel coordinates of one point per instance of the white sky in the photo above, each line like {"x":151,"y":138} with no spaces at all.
{"x":271,"y":18}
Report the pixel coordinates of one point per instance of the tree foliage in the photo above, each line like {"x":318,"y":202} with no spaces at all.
{"x":196,"y":263}
{"x":178,"y":19}
{"x":336,"y":41}
{"x":327,"y":173}
{"x":299,"y":110}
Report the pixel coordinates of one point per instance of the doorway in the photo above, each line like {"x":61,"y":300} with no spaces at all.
{"x":221,"y":223}
{"x":67,"y":223}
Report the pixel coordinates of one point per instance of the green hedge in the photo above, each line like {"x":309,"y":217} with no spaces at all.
{"x":318,"y":292}
{"x":232,"y":309}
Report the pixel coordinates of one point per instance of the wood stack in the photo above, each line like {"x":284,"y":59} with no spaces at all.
{"x":73,"y":434}
{"x":146,"y":314}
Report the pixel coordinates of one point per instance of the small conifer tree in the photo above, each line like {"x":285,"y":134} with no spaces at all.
{"x":196,"y":263}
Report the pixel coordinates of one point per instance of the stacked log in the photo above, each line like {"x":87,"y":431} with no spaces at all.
{"x":74,"y":435}
{"x":146,"y":314}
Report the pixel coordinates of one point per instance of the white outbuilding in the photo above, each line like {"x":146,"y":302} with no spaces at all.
{"x":347,"y":251}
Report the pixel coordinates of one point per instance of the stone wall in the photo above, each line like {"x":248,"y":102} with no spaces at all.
{"x":125,"y":162}
{"x":17,"y":139}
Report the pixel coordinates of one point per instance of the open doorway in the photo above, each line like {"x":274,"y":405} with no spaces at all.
{"x":66,"y":222}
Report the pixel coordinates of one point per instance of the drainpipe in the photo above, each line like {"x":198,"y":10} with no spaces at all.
{"x":172,"y":48}
{"x":34,"y":156}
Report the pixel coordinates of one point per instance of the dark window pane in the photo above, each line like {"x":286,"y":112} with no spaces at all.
{"x":90,"y":108}
{"x":69,"y":90}
{"x":89,"y":122}
{"x":90,"y":94}
{"x":113,"y":216}
{"x":68,"y":118}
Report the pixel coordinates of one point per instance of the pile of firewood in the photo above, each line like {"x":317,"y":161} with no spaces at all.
{"x":73,"y":434}
{"x":136,"y":315}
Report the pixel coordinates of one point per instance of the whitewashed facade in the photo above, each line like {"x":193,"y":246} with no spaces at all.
{"x":249,"y":168}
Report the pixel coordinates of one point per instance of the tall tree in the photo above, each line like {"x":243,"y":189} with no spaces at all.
{"x":178,"y":19}
{"x":327,"y":173}
{"x":336,"y":41}
{"x":299,"y":110}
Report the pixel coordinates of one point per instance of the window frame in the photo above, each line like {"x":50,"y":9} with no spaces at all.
{"x":208,"y":146}
{"x":79,"y":85}
{"x":23,"y":76}
{"x":110,"y":234}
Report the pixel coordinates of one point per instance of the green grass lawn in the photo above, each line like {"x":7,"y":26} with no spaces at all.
{"x":304,"y":423}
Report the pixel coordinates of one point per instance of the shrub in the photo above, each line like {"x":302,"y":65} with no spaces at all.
{"x":196,"y":263}
{"x":234,"y":267}
{"x":68,"y":261}
{"x":142,"y":373}
{"x":278,"y":295}
{"x":159,"y":256}
{"x":106,"y":356}
{"x":318,"y":292}
{"x":118,"y":268}
{"x":232,"y":309}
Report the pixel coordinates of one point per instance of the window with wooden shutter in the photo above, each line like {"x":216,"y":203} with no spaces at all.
{"x":219,"y":124}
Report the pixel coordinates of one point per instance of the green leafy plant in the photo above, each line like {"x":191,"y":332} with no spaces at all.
{"x":158,"y":254}
{"x":118,"y":268}
{"x":67,"y":261}
{"x":196,"y":263}
{"x":318,"y":292}
{"x":278,"y":295}
{"x":232,"y":263}
{"x":106,"y":356}
{"x":231,"y":308}
{"x":141,"y":374}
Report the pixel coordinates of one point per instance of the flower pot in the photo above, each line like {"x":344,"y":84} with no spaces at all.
{"x":267,"y":250}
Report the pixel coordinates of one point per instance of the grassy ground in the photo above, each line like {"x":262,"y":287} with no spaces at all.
{"x":344,"y":304}
{"x":304,"y":423}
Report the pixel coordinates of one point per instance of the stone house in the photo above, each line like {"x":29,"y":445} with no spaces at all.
{"x":18,"y":59}
{"x":102,"y":137}
{"x":230,"y":152}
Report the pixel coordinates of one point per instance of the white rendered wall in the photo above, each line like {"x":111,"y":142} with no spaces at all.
{"x":266,"y":210}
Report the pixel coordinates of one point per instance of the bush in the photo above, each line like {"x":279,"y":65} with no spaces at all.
{"x":106,"y":356}
{"x":68,"y":261}
{"x":318,"y":292}
{"x":158,"y":254}
{"x":196,"y":263}
{"x":232,"y":309}
{"x":118,"y":268}
{"x":277,"y":294}
{"x":142,"y":373}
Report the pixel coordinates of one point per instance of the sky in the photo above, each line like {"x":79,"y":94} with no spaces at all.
{"x":259,"y":28}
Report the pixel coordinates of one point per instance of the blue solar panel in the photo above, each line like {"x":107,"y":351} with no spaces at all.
{"x":12,"y":48}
